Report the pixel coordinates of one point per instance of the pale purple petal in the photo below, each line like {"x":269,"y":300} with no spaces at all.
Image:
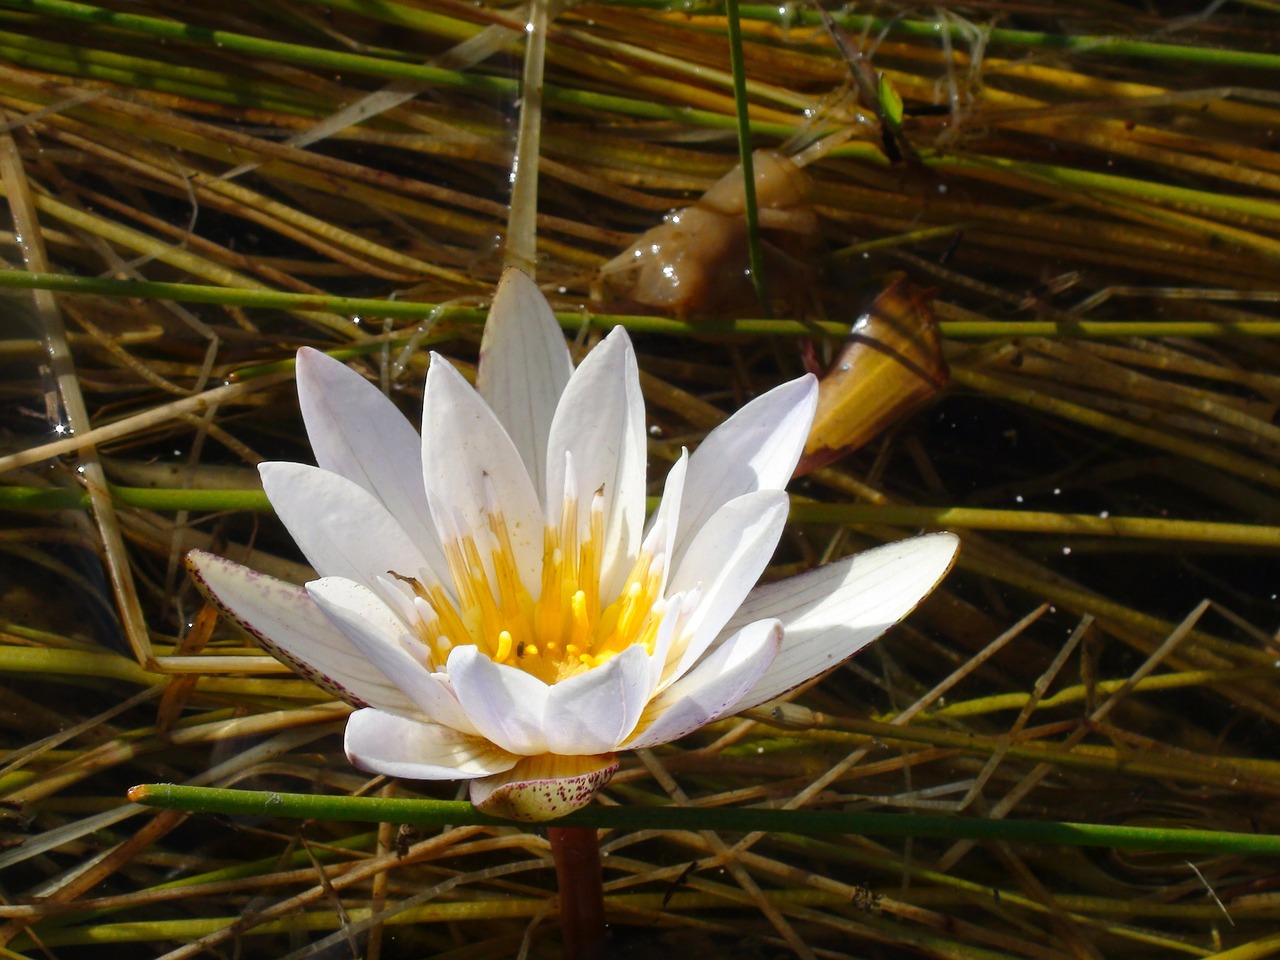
{"x":386,"y":643}
{"x":726,"y":560}
{"x":712,"y":688}
{"x":379,"y":742}
{"x":341,"y":528}
{"x":755,"y":449}
{"x":473,"y":454}
{"x":285,"y":621}
{"x":524,"y":366}
{"x":358,"y":433}
{"x":504,"y":703}
{"x":592,"y":712}
{"x":831,"y":613}
{"x":600,"y":421}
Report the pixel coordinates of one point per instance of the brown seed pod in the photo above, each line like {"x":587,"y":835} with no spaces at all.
{"x":891,"y":364}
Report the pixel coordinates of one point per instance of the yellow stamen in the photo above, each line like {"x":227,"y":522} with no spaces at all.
{"x":627,"y":621}
{"x":590,"y":556}
{"x":570,"y":627}
{"x":504,"y":565}
{"x":581,"y":629}
{"x":451,"y":622}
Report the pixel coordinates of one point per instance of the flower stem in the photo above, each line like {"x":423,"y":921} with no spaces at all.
{"x":577,"y":855}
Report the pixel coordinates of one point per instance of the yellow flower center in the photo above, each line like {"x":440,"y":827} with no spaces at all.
{"x":568,"y":629}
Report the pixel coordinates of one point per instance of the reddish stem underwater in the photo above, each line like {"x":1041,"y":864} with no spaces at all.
{"x":577,"y":855}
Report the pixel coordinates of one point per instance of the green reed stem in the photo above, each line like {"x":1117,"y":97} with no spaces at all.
{"x":1147,"y":191}
{"x":187,"y":33}
{"x":373,"y":307}
{"x":1214,"y":454}
{"x":145,"y":498}
{"x":344,"y":62}
{"x":754,"y":255}
{"x":159,"y":75}
{"x":933,"y":30}
{"x":435,"y":813}
{"x":1037,"y":521}
{"x":953,"y":518}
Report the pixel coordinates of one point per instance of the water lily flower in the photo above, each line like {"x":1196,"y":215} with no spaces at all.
{"x":491,"y":599}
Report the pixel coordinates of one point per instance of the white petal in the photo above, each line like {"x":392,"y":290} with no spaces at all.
{"x":358,"y":433}
{"x":755,"y":449}
{"x":471,"y":445}
{"x":385,"y":641}
{"x":665,"y":518}
{"x":600,"y":421}
{"x":289,"y":626}
{"x":726,"y":559}
{"x":378,"y":742}
{"x":594,"y":711}
{"x":505,"y":704}
{"x":524,"y":366}
{"x":399,"y":596}
{"x":341,"y":528}
{"x":831,"y":613}
{"x":678,"y":607}
{"x":712,"y":688}
{"x":543,"y":787}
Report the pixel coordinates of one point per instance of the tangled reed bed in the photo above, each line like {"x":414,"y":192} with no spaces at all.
{"x":1092,"y":203}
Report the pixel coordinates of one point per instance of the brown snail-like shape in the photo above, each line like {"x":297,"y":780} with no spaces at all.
{"x":695,"y":261}
{"x":891,"y":365}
